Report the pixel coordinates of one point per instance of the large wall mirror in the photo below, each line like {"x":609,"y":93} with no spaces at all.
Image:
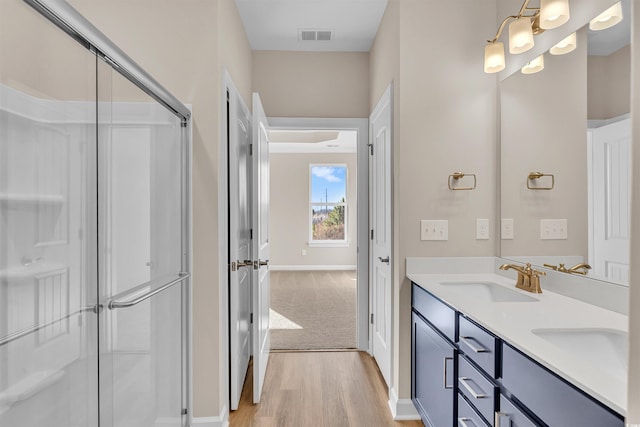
{"x":565,"y":157}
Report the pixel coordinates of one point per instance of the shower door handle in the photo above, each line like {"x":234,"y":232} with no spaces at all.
{"x":113,"y":304}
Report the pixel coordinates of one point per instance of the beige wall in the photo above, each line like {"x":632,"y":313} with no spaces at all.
{"x":445,"y":115}
{"x":544,"y":128}
{"x":289,"y":211}
{"x":185,"y":50}
{"x":312,"y":84}
{"x":609,"y":84}
{"x":26,"y":39}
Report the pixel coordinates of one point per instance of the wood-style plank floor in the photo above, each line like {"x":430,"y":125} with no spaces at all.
{"x":318,"y":389}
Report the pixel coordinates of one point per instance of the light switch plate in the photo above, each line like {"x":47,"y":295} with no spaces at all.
{"x":506,"y":228}
{"x":482,"y":229}
{"x":553,"y":229}
{"x":434,"y":229}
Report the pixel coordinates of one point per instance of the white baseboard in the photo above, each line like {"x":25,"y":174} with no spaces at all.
{"x":402,"y":409}
{"x":312,"y":267}
{"x":220,"y":421}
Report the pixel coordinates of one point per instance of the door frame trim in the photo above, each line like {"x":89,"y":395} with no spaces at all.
{"x":362,"y":178}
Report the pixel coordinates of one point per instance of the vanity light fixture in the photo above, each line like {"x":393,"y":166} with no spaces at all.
{"x":607,"y":19}
{"x":566,"y":45}
{"x":534,"y":66}
{"x":528,"y":22}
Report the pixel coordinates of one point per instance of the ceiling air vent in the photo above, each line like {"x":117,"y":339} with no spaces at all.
{"x":315,"y":35}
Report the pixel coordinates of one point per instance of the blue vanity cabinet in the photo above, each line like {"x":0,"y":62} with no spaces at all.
{"x":478,"y":367}
{"x":433,"y":367}
{"x":554,"y":401}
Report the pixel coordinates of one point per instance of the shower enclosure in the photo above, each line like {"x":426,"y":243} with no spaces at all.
{"x":94,"y":226}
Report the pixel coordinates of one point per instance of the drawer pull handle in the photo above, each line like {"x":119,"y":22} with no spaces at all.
{"x":475,"y":348}
{"x":465,"y":383}
{"x":466,"y":422}
{"x":500,"y":417}
{"x":446,"y":359}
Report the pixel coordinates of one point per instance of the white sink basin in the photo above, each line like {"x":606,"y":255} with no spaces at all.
{"x":489,"y":291}
{"x":606,"y":349}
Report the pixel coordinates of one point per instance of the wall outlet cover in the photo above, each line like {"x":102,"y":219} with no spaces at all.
{"x":482,"y":229}
{"x":506,"y":228}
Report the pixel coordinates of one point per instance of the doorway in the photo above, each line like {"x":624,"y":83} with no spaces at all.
{"x":321,"y":257}
{"x":313,"y":239}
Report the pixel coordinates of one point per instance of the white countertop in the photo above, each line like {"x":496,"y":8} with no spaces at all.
{"x":514,"y":322}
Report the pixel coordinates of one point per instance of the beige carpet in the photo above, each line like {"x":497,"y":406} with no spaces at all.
{"x":313,"y":310}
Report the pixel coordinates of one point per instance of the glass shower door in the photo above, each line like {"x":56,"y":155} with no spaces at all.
{"x":48,"y":280}
{"x":142,"y":352}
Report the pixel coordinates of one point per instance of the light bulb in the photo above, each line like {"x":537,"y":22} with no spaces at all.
{"x":494,"y":57}
{"x":520,"y":35}
{"x":534,"y":66}
{"x":607,"y":19}
{"x":553,"y":13}
{"x":566,"y":45}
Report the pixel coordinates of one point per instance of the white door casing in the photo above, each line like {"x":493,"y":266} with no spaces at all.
{"x":610,"y":200}
{"x":240,"y":265}
{"x":381,"y":281}
{"x":260,"y":213}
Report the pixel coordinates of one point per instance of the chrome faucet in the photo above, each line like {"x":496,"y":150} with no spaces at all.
{"x":528,"y":278}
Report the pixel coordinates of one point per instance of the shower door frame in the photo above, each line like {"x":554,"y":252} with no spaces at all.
{"x":66,"y":18}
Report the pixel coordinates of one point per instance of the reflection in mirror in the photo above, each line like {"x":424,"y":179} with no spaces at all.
{"x":570,"y":121}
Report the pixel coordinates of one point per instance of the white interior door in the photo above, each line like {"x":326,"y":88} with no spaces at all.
{"x":381,"y":283}
{"x":239,"y":245}
{"x":261,"y":290}
{"x":611,"y":156}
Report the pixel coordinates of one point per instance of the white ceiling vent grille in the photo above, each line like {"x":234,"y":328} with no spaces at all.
{"x":315,"y":35}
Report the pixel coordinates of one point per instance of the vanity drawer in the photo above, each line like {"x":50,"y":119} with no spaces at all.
{"x":435,"y":311}
{"x":550,"y":398}
{"x":478,"y":389}
{"x":467,"y":416}
{"x":511,"y":416}
{"x":479,"y":345}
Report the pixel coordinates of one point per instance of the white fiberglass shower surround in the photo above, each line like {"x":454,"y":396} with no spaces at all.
{"x":94,"y":229}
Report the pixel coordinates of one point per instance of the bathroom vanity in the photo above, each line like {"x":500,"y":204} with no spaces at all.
{"x":487,"y":354}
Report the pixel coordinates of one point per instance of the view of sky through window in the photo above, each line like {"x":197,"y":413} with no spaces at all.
{"x":328,"y":184}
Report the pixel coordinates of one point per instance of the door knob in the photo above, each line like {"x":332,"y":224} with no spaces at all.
{"x":235,"y":265}
{"x":257,"y":264}
{"x":385,"y":260}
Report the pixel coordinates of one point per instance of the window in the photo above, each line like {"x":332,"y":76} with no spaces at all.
{"x":328,"y":200}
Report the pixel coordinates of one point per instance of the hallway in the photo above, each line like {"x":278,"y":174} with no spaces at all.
{"x":331,"y":389}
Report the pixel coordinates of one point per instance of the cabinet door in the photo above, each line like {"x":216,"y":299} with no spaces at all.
{"x":433,"y":375}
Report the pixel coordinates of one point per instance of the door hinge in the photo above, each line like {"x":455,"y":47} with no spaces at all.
{"x":370,"y":148}
{"x":184,"y":411}
{"x":251,"y":318}
{"x":251,"y":234}
{"x":372,"y":318}
{"x":251,"y":149}
{"x":371,"y":234}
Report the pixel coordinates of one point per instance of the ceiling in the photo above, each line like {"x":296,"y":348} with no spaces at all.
{"x":276,"y":24}
{"x":313,"y":141}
